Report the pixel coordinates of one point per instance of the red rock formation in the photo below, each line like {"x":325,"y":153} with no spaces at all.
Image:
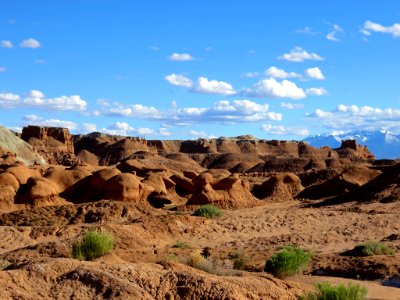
{"x":54,"y":143}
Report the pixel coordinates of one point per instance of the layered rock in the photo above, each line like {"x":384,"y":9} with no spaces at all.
{"x":12,"y":148}
{"x":54,"y":143}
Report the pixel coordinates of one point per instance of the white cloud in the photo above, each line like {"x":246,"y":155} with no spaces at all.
{"x":314,"y":73}
{"x":331,"y":36}
{"x":179,"y":80}
{"x":6,"y":44}
{"x":36,"y":120}
{"x":3,"y":69}
{"x":30,"y":43}
{"x":251,"y":75}
{"x":281,"y":74}
{"x":206,"y":86}
{"x":316,"y":91}
{"x":180,"y":57}
{"x":271,"y":88}
{"x":154,"y":48}
{"x":292,"y":105}
{"x":319,"y":113}
{"x":134,"y":110}
{"x":306,"y":30}
{"x":198,"y":134}
{"x":299,"y":55}
{"x":62,"y":103}
{"x":124,"y":129}
{"x":32,"y":118}
{"x":88,"y":128}
{"x":224,"y":111}
{"x":281,"y":130}
{"x":118,"y":128}
{"x":369,"y":27}
{"x":8,"y":100}
{"x":354,"y":117}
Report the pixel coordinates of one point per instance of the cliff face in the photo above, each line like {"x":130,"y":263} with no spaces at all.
{"x":53,"y":143}
{"x":240,"y":154}
{"x":350,"y":149}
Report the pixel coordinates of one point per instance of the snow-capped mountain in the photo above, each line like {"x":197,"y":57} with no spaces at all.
{"x":383,"y":144}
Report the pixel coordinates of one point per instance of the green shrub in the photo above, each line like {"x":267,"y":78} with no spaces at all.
{"x":326,"y":291}
{"x":182,"y":245}
{"x":289,"y":261}
{"x":208,"y":211}
{"x":371,"y":248}
{"x":239,"y":260}
{"x":94,"y":244}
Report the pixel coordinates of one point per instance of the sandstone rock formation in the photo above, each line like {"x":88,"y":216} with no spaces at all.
{"x":11,"y":145}
{"x":54,"y":143}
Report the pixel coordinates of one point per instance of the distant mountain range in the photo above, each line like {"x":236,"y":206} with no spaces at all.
{"x":383,"y":144}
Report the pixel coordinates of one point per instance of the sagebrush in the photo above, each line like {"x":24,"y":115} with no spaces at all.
{"x":373,"y":248}
{"x":289,"y":261}
{"x":208,"y":211}
{"x":326,"y":291}
{"x":94,"y":244}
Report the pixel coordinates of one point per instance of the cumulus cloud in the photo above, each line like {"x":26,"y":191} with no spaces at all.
{"x":369,"y":27}
{"x":251,"y":74}
{"x":354,"y":117}
{"x":88,"y":128}
{"x":36,"y":120}
{"x":6,"y":44}
{"x":3,"y":69}
{"x":292,"y":105}
{"x":63,"y":103}
{"x":179,"y":80}
{"x":314,"y":73}
{"x":118,"y":128}
{"x":282,"y":130}
{"x":124,"y":129}
{"x":8,"y":100}
{"x":279,"y":73}
{"x":298,"y":54}
{"x":316,"y":91}
{"x":30,"y":43}
{"x":271,"y":88}
{"x":180,"y":57}
{"x":224,"y":111}
{"x":206,"y":86}
{"x":331,"y":36}
{"x":197,"y":134}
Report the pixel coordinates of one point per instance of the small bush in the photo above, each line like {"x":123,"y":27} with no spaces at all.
{"x":196,"y":260}
{"x":289,"y":261}
{"x":326,"y":291}
{"x":182,"y":245}
{"x":239,"y":260}
{"x":94,"y":244}
{"x":4,"y":264}
{"x":371,"y":248}
{"x":208,"y":211}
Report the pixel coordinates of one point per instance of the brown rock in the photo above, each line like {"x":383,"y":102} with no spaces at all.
{"x":127,"y":187}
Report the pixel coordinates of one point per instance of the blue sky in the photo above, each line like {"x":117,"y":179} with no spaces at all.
{"x":189,"y":69}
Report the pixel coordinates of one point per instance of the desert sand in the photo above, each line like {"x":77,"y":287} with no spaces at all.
{"x":55,"y":186}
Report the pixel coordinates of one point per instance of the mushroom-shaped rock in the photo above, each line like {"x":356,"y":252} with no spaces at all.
{"x":8,"y":179}
{"x":156,"y":181}
{"x":98,"y":179}
{"x":279,"y":188}
{"x":66,"y":178}
{"x":228,"y":192}
{"x":7,"y":194}
{"x":40,"y":191}
{"x":22,"y":173}
{"x":127,"y":187}
{"x":183,"y":184}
